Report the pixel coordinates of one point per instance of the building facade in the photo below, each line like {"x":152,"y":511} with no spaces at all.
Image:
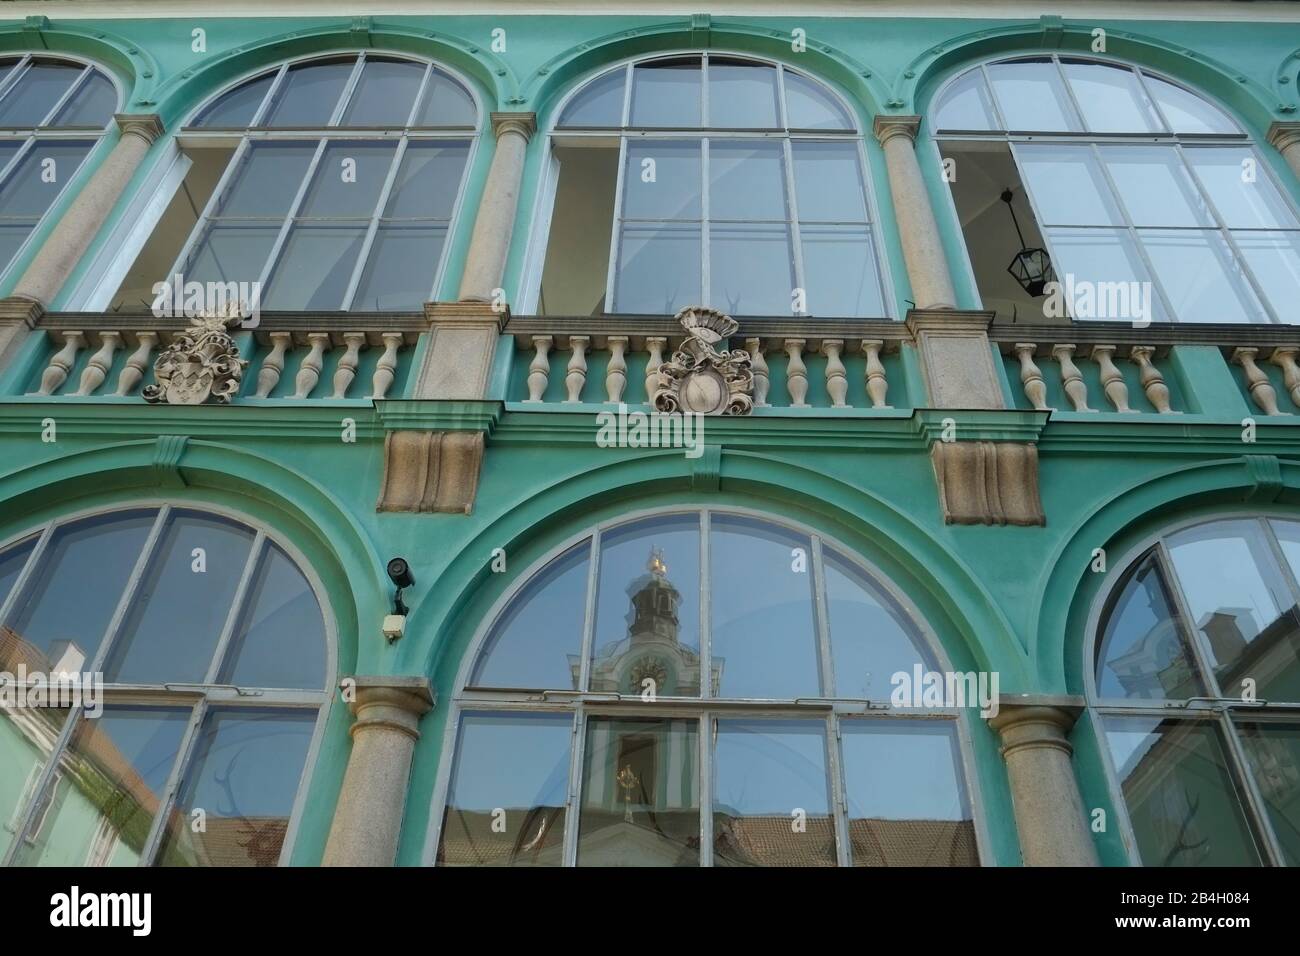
{"x":862,"y":436}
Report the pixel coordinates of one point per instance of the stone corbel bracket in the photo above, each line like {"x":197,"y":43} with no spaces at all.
{"x":433,"y":454}
{"x":987,"y":482}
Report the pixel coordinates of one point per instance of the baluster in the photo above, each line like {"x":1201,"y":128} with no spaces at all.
{"x":1153,"y":383}
{"x":309,"y":373}
{"x":347,"y":370}
{"x":577,"y":374}
{"x":96,"y":370}
{"x":133,"y":372}
{"x":386,"y":369}
{"x":837,"y":380}
{"x":877,"y":384}
{"x":1284,"y":357}
{"x":61,"y":363}
{"x":539,"y":371}
{"x":1112,"y":382}
{"x":655,"y":345}
{"x":1032,"y":377}
{"x":1076,"y":390}
{"x":758,"y":364}
{"x":269,"y":374}
{"x":796,"y":373}
{"x":1261,"y":389}
{"x":616,"y":372}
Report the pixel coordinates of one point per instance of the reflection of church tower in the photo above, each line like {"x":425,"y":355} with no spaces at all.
{"x":654,"y":604}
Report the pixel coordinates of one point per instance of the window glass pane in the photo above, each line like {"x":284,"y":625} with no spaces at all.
{"x":771,"y":797}
{"x":1240,"y":188}
{"x":428,"y":180}
{"x":1274,"y":753}
{"x":507,"y":819}
{"x":308,"y":94}
{"x":11,"y":565}
{"x":907,"y":802}
{"x":348,"y":181}
{"x":108,"y":790}
{"x":1143,"y":653}
{"x":1274,"y":258}
{"x":12,"y":237}
{"x":600,"y":103}
{"x":1240,"y":602}
{"x":151,"y":648}
{"x":966,"y":104}
{"x":1032,"y":96}
{"x":1155,"y":187}
{"x":764,"y":628}
{"x":36,"y":93}
{"x":92,"y":105}
{"x":648,"y":609}
{"x":27,"y":736}
{"x":1182,"y":802}
{"x":267,"y":180}
{"x":231,"y":252}
{"x":446,"y":103}
{"x":30,"y":190}
{"x":662,"y":180}
{"x":809,"y":105}
{"x":280,"y":638}
{"x":1187,"y":112}
{"x":239,"y":106}
{"x":1068,"y":187}
{"x":742,"y":95}
{"x":871,"y":640}
{"x":828,"y":182}
{"x":244,"y":773}
{"x":1104,"y":259}
{"x":751,"y":269}
{"x":315,"y":267}
{"x":666,"y":93}
{"x":840,"y":272}
{"x":537,"y":642}
{"x":1110,"y":98}
{"x":385,"y":93}
{"x":1201,"y":277}
{"x":640,"y":793}
{"x":73,"y":594}
{"x":659,"y":269}
{"x":747,"y":180}
{"x":403,"y":261}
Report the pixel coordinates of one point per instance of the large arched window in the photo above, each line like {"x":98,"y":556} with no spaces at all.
{"x":333,"y":183}
{"x":1197,"y":678}
{"x":700,"y":688}
{"x":212,"y":648}
{"x":1123,"y":177}
{"x":52,"y":113}
{"x":708,"y":180}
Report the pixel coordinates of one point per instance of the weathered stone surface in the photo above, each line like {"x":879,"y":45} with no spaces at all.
{"x":431,"y":471}
{"x":984,"y":482}
{"x":462,"y":343}
{"x":956,"y":358}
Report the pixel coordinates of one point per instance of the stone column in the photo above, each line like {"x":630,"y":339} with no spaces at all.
{"x":69,"y":240}
{"x":368,"y":818}
{"x":485,"y":265}
{"x":1286,"y":137}
{"x":927,"y":267}
{"x":1050,"y":817}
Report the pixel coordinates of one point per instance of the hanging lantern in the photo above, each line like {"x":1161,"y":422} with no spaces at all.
{"x":1032,"y":268}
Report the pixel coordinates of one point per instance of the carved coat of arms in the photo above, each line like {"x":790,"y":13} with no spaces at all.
{"x":202,"y":363}
{"x":701,"y":378}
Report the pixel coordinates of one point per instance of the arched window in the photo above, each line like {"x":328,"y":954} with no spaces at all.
{"x":211,"y":645}
{"x":700,"y":688}
{"x":332,"y":183}
{"x":52,"y":113}
{"x":1197,"y":678}
{"x":1128,"y":181}
{"x":709,"y":179}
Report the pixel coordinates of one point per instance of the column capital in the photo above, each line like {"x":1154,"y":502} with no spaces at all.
{"x":886,"y":127}
{"x":148,"y":126}
{"x":395,"y":703}
{"x":524,"y":124}
{"x":1284,"y":135}
{"x":1030,"y":722}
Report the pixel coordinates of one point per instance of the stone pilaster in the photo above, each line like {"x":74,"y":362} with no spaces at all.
{"x":1050,"y":817}
{"x":956,"y":358}
{"x":485,"y":265}
{"x":927,"y":267}
{"x":368,"y":818}
{"x":462,"y":343}
{"x":1286,"y":138}
{"x":81,"y":222}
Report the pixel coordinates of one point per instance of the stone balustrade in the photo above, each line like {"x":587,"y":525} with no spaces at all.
{"x":1090,"y":377}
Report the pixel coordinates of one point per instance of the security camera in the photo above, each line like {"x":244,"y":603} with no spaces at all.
{"x":399,"y":572}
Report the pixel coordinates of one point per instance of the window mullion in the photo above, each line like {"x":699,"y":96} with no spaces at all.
{"x":129,"y":591}
{"x":993,"y":98}
{"x":1200,"y":657}
{"x":792,"y":210}
{"x":373,"y":227}
{"x":350,"y":87}
{"x":616,"y":233}
{"x":706,"y":610}
{"x":705,"y":233}
{"x":825,"y":659}
{"x":283,"y":236}
{"x":425,"y":89}
{"x":183,"y":754}
{"x":1155,"y":104}
{"x":1256,"y":807}
{"x":27,"y":572}
{"x":263,"y":108}
{"x":209,"y":210}
{"x":15,"y":75}
{"x":29,"y":143}
{"x":574,"y":796}
{"x":704,"y":759}
{"x":42,"y":781}
{"x":1069,"y":92}
{"x":82,"y":79}
{"x":589,"y":614}
{"x":236,"y":608}
{"x":838,"y":787}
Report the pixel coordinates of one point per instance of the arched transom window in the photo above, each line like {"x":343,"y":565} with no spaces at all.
{"x":709,"y":179}
{"x":1197,"y":676}
{"x":700,"y":688}
{"x":1123,"y":177}
{"x":52,"y":113}
{"x":211,"y":646}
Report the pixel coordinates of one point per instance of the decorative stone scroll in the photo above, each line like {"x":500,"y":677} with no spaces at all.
{"x":203,"y":363}
{"x":699,"y":378}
